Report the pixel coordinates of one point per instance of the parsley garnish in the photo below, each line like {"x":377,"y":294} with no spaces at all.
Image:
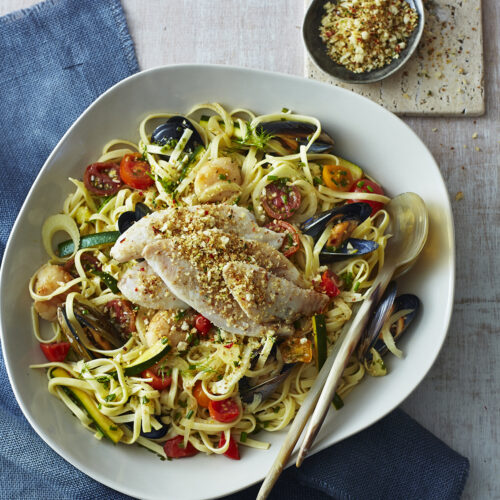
{"x":110,"y":397}
{"x":189,"y":414}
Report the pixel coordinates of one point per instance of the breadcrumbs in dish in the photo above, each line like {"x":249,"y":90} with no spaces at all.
{"x":366,"y":34}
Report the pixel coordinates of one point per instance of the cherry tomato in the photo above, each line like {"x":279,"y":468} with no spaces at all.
{"x":367,"y":186}
{"x":281,"y":201}
{"x":88,"y":261}
{"x":202,"y":324}
{"x":56,"y":351}
{"x":337,"y":177}
{"x":135,"y":172}
{"x":232,"y":450}
{"x":225,"y":410}
{"x":200,"y":395}
{"x":295,"y":350}
{"x":102,"y":179}
{"x":291,"y":243}
{"x":329,"y":284}
{"x":160,"y":380}
{"x":122,"y":314}
{"x":174,"y":448}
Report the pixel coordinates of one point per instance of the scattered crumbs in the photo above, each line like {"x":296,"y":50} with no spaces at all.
{"x":434,"y":129}
{"x":474,"y":135}
{"x":477,"y":148}
{"x":459,"y":196}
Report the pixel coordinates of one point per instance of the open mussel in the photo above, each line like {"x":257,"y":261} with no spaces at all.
{"x":96,"y":331}
{"x":344,"y":220}
{"x":169,"y":133}
{"x":293,"y":134}
{"x":126,"y":219}
{"x":389,"y":307}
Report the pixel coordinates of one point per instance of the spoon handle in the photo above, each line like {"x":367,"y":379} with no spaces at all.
{"x":346,"y":349}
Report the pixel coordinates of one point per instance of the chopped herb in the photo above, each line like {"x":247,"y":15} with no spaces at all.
{"x":369,"y":188}
{"x":272,"y":177}
{"x":104,"y":381}
{"x":237,"y":200}
{"x":257,"y":137}
{"x":276,"y":409}
{"x":189,"y":414}
{"x":318,"y":181}
{"x":360,"y":184}
{"x":99,"y":406}
{"x":285,"y":110}
{"x":243,"y":437}
{"x":180,"y":315}
{"x":145,"y":400}
{"x":356,"y":286}
{"x":236,"y":363}
{"x":164,"y":340}
{"x":347,"y":278}
{"x":113,"y":428}
{"x":223,"y":177}
{"x":192,"y":367}
{"x":110,"y":397}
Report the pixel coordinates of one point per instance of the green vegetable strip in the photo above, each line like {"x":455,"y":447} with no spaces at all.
{"x":89,"y":240}
{"x":110,"y":281}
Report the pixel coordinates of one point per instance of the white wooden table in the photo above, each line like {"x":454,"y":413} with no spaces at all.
{"x":459,"y":400}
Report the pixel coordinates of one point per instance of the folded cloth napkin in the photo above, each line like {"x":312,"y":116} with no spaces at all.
{"x":55,"y":59}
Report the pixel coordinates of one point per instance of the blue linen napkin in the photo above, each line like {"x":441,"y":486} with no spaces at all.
{"x":55,"y":59}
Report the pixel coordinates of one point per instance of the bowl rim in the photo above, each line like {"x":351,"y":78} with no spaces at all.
{"x":256,"y":73}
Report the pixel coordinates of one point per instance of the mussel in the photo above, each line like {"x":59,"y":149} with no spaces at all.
{"x":169,"y":133}
{"x":264,"y":389}
{"x":344,"y":220}
{"x":126,"y":219}
{"x":153,"y":434}
{"x":96,"y":332}
{"x":388,"y":306}
{"x":293,"y":134}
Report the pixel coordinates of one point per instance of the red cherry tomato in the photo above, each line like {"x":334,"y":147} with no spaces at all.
{"x":174,"y":448}
{"x":202,"y":324}
{"x":279,"y":200}
{"x":159,"y":380}
{"x":56,"y":351}
{"x":135,"y":172}
{"x":102,"y":179}
{"x":367,"y":186}
{"x":329,"y":284}
{"x":232,"y":450}
{"x":225,"y":410}
{"x":122,"y":314}
{"x":291,"y":243}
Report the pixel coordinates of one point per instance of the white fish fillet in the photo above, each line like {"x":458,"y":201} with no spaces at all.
{"x":142,"y":286}
{"x":200,"y":282}
{"x":174,"y":221}
{"x":265,"y":297}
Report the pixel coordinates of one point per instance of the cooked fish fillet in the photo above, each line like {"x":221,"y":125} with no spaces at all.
{"x":266,"y":297}
{"x":192,"y":268}
{"x":142,"y":286}
{"x":175,"y":221}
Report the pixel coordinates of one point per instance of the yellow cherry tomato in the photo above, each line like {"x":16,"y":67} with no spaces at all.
{"x":337,"y":177}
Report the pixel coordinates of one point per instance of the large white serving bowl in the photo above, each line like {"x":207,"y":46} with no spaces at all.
{"x":364,"y":132}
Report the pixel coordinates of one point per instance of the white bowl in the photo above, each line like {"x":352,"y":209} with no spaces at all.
{"x":364,"y":133}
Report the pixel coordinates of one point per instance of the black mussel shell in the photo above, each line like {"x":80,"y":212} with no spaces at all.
{"x":154,"y":434}
{"x":379,"y":317}
{"x":264,"y":389}
{"x":173,"y":129}
{"x":300,"y":131}
{"x":129,"y":218}
{"x":78,"y":346}
{"x":315,"y":226}
{"x":352,"y":247}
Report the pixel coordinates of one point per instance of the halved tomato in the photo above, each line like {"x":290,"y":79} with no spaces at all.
{"x":291,"y":243}
{"x":174,"y":448}
{"x":225,"y":410}
{"x":281,"y":200}
{"x":232,"y":450}
{"x":56,"y":351}
{"x":135,"y":172}
{"x":367,"y":186}
{"x":102,"y":179}
{"x":337,"y":177}
{"x":200,"y":395}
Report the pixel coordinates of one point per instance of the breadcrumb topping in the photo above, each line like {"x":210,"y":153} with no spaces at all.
{"x":366,"y":34}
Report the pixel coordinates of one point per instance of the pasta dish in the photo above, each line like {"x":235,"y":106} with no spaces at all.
{"x":206,"y":272}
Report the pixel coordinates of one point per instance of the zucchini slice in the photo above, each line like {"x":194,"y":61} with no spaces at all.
{"x":89,"y":240}
{"x":319,"y":331}
{"x":149,"y":357}
{"x":356,"y":172}
{"x":107,"y":427}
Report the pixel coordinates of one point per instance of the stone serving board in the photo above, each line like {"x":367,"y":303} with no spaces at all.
{"x":445,"y":75}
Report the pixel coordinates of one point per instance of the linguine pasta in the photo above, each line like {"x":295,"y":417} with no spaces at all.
{"x":220,"y":360}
